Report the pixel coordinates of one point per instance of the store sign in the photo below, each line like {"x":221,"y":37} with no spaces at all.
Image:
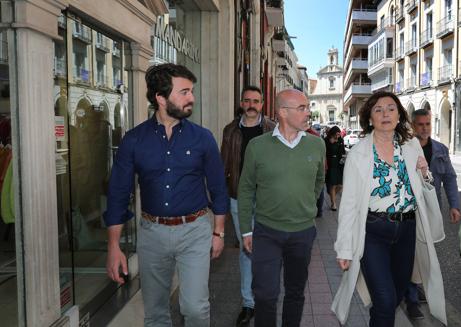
{"x":59,"y":128}
{"x":170,"y":35}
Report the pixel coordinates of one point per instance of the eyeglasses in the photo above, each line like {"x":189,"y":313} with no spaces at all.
{"x":301,"y":108}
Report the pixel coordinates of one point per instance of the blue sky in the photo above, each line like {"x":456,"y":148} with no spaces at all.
{"x":317,"y":24}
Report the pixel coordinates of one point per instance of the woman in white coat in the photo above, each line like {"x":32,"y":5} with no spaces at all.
{"x":382,"y":217}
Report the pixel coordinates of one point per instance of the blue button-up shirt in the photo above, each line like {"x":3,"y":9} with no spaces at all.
{"x":173,"y":174}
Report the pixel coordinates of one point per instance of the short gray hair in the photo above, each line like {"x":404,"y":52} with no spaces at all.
{"x":420,"y":113}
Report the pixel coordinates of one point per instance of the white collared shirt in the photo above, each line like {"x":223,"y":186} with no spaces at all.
{"x":242,"y":121}
{"x":282,"y":139}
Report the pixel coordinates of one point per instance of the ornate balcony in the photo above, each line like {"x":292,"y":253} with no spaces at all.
{"x":426,"y":38}
{"x":412,"y":5}
{"x":445,"y":27}
{"x":445,"y":73}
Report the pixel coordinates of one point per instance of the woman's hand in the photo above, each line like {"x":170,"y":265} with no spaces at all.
{"x":344,"y":264}
{"x":422,"y":164}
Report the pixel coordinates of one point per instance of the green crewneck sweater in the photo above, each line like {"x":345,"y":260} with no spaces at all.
{"x":286,"y":182}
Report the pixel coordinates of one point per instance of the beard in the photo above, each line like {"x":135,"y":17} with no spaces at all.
{"x":176,"y":112}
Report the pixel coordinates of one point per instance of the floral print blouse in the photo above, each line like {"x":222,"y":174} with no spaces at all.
{"x":391,"y":189}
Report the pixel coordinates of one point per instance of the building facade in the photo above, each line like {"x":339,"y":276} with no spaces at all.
{"x":72,"y":82}
{"x":360,"y":23}
{"x":424,"y":70}
{"x":326,"y":99}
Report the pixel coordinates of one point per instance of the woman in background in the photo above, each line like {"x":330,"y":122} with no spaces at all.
{"x":335,"y":153}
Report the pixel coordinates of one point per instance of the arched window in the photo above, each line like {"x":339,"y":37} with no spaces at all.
{"x":332,"y":82}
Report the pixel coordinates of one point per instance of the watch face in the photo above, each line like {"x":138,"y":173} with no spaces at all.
{"x":221,"y":235}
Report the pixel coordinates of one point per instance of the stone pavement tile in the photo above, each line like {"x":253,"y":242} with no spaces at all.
{"x":334,"y":279}
{"x":326,"y":244}
{"x":222,"y":319}
{"x":316,"y":276}
{"x":317,"y":263}
{"x":333,"y":271}
{"x":328,"y":252}
{"x":307,"y":308}
{"x":356,"y":321}
{"x":355,"y":309}
{"x":307,"y":320}
{"x":319,"y":288}
{"x":316,"y":258}
{"x":321,"y":308}
{"x":330,"y":262}
{"x":321,"y":298}
{"x":315,"y":250}
{"x":326,"y":321}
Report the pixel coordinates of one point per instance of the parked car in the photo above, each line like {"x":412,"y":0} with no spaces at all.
{"x":352,"y":137}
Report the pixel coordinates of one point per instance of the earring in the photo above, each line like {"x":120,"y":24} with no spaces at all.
{"x":369,"y":123}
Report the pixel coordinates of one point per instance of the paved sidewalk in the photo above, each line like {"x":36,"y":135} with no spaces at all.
{"x":324,"y":279}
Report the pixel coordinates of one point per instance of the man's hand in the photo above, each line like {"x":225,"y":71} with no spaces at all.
{"x":248,"y":243}
{"x":115,"y":260}
{"x":344,"y":264}
{"x":217,"y":245}
{"x":455,"y":215}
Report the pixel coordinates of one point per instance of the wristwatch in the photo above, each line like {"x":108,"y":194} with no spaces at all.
{"x":220,"y":235}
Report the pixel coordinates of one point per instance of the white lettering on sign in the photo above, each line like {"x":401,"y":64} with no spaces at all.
{"x":171,"y":36}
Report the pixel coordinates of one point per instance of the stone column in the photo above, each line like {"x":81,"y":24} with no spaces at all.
{"x":31,"y":53}
{"x":137,"y":63}
{"x":217,"y":58}
{"x":255,"y":72}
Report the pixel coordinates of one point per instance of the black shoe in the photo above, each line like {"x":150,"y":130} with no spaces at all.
{"x":245,"y":316}
{"x":421,"y":295}
{"x":414,"y":312}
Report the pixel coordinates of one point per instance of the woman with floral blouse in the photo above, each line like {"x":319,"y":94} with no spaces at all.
{"x":382,"y":220}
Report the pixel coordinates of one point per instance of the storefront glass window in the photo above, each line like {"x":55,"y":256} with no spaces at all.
{"x":91,"y":117}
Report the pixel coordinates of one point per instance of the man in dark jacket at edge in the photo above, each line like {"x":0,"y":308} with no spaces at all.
{"x":236,"y":135}
{"x":436,"y":154}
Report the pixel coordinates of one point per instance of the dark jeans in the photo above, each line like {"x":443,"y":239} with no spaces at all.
{"x":411,"y":295}
{"x":271,"y":248}
{"x":387,"y":264}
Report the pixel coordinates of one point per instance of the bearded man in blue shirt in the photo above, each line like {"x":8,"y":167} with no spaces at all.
{"x":176,"y":162}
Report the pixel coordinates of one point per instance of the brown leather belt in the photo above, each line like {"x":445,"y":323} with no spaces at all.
{"x":173,"y":221}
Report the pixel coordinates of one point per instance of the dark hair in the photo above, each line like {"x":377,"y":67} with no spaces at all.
{"x":419,"y":113}
{"x":251,"y":88}
{"x":332,"y":132}
{"x":402,"y":129}
{"x":159,"y":80}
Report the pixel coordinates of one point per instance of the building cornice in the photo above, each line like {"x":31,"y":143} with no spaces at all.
{"x":158,"y":7}
{"x":140,"y":11}
{"x":34,"y":15}
{"x":325,"y":95}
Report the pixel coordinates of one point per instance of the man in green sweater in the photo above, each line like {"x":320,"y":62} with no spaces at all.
{"x":284,"y":172}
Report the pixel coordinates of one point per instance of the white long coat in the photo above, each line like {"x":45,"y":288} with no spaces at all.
{"x":352,"y":216}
